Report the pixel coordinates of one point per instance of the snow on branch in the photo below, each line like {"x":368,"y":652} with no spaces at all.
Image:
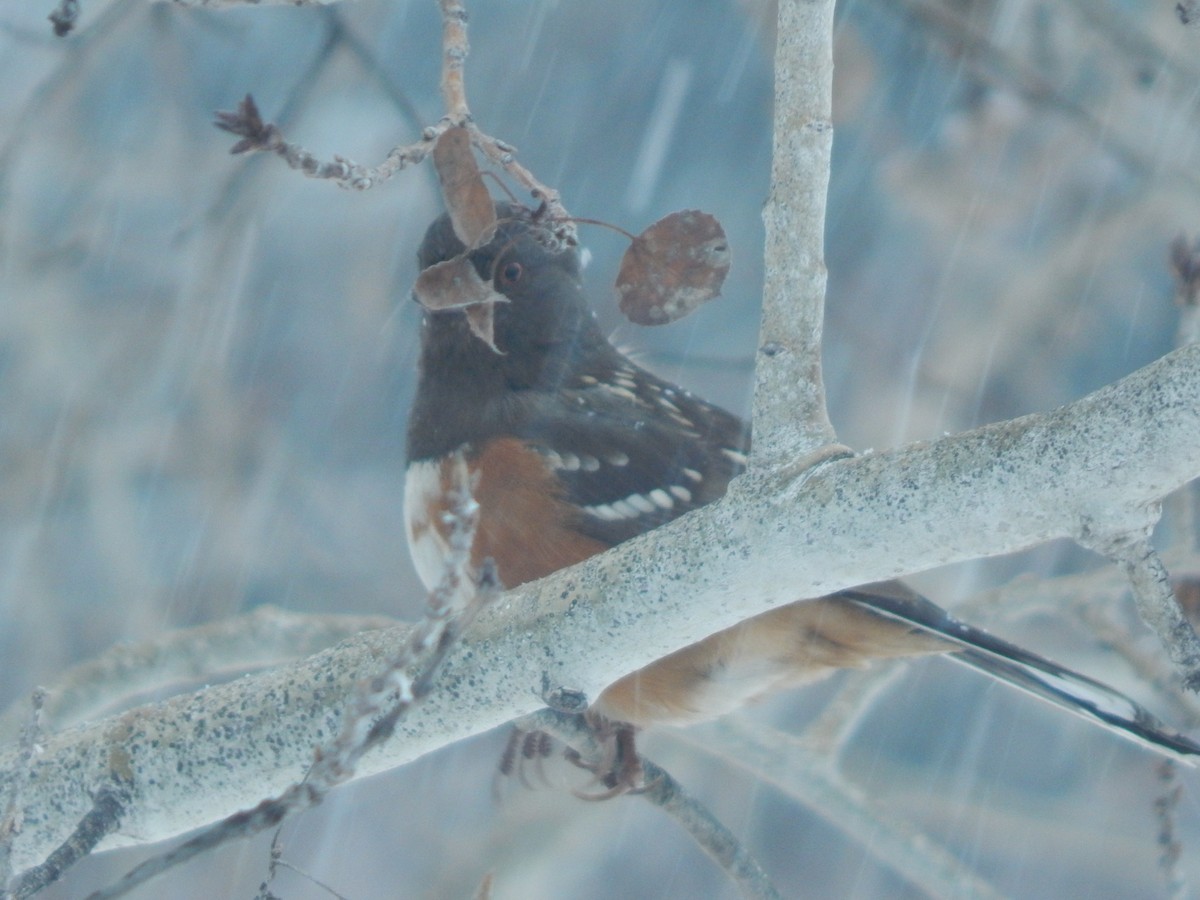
{"x":1110,"y":456}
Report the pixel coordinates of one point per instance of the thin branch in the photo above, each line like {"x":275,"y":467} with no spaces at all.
{"x":807,"y":777}
{"x":827,"y":734}
{"x":103,"y":819}
{"x":503,"y":154}
{"x":454,"y":59}
{"x":257,"y":135}
{"x":1155,"y":599}
{"x":338,"y":34}
{"x":1148,"y":665}
{"x":672,"y":798}
{"x":1166,"y":806}
{"x":10,"y":796}
{"x":455,"y":49}
{"x":790,"y":418}
{"x":995,"y":64}
{"x":380,"y":702}
{"x":284,"y":864}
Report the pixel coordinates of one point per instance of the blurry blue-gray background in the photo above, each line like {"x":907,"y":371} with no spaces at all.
{"x":206,"y":363}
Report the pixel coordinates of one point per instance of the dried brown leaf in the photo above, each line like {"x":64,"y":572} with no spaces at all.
{"x":671,"y":268}
{"x":481,"y":320}
{"x":455,"y":284}
{"x":472,"y":212}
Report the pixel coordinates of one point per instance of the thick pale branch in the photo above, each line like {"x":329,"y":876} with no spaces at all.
{"x":1110,"y":456}
{"x":216,"y":651}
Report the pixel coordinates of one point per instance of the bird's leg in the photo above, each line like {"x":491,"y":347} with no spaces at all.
{"x":619,"y":767}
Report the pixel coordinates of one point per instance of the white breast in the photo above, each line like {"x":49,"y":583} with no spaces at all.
{"x":426,"y":543}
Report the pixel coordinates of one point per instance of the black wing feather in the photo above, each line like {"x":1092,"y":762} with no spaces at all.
{"x":1085,"y":697}
{"x":614,"y":439}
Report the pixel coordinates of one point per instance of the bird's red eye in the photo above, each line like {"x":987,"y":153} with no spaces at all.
{"x":511,"y":273}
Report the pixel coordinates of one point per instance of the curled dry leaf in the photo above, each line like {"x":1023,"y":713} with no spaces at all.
{"x":472,"y":212}
{"x":481,"y":320}
{"x":455,"y":284}
{"x":674,"y":266}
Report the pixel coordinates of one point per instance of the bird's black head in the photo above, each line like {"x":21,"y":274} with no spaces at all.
{"x":546,"y":313}
{"x":543,"y":332}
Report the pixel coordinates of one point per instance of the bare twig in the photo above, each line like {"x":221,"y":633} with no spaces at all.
{"x":380,"y":701}
{"x":503,"y":155}
{"x":257,"y":135}
{"x":827,"y":734}
{"x":279,"y":862}
{"x":1154,"y":597}
{"x":10,"y":798}
{"x":993,"y":63}
{"x":1166,"y":805}
{"x":668,"y":795}
{"x":108,"y":805}
{"x":454,"y":59}
{"x":1150,"y":667}
{"x":809,"y":777}
{"x":455,"y":49}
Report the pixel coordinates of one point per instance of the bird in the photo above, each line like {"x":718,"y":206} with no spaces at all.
{"x":574,"y":448}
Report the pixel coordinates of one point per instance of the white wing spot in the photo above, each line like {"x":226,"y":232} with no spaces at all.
{"x":693,"y":474}
{"x":625,"y":509}
{"x":640,"y":503}
{"x":662,"y":498}
{"x":617,"y":459}
{"x":603,"y":511}
{"x":618,"y":391}
{"x":735,"y":455}
{"x":681,"y":492}
{"x":569,"y":462}
{"x":589,"y":463}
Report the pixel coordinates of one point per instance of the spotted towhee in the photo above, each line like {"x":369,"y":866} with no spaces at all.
{"x":576,"y":448}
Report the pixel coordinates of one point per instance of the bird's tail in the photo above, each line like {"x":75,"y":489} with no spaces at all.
{"x":1085,"y":697}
